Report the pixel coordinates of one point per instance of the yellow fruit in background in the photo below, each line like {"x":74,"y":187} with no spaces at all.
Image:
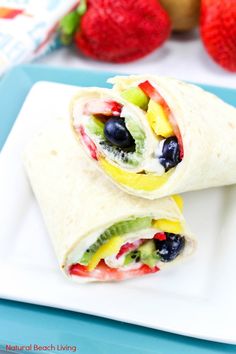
{"x":134,"y":180}
{"x":184,"y":14}
{"x":109,"y":248}
{"x":174,"y":227}
{"x":158,"y":120}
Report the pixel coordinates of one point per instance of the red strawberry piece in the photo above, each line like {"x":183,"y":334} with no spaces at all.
{"x":161,"y":236}
{"x":177,"y":134}
{"x":218,"y":31}
{"x":79,"y":269}
{"x":88,"y":142}
{"x":122,"y":30}
{"x":128,"y":247}
{"x":105,"y":273}
{"x":104,"y":107}
{"x":153,"y":94}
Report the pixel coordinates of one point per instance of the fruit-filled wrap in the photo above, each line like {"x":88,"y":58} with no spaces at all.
{"x":157,"y":136}
{"x":99,"y":232}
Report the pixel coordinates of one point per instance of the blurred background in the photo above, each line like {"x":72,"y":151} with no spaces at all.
{"x":193,"y":40}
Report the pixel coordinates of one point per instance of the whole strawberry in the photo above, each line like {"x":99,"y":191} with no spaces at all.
{"x":122,"y":30}
{"x":218,"y":31}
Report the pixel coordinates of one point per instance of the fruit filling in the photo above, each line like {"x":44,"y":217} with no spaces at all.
{"x":108,"y":130}
{"x":159,"y":117}
{"x":115,"y":136}
{"x":130,"y":248}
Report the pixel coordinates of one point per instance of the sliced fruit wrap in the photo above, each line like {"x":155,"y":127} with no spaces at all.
{"x":99,"y":232}
{"x":155,"y":136}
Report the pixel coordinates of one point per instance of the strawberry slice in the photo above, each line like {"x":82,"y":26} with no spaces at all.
{"x":88,"y":142}
{"x":104,"y":107}
{"x":154,"y":95}
{"x":128,"y":247}
{"x":161,"y":236}
{"x":105,"y":273}
{"x":79,"y":269}
{"x":177,"y":134}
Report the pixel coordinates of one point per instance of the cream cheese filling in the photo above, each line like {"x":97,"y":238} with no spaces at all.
{"x":149,"y":162}
{"x":78,"y":251}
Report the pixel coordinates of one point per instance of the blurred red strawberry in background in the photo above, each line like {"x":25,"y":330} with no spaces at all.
{"x":120,"y":30}
{"x":125,"y":30}
{"x":218,"y":31}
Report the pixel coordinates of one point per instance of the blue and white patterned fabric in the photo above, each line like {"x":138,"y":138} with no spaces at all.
{"x":28,"y":28}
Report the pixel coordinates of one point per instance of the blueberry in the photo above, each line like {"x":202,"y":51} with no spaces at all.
{"x":170,"y":248}
{"x":116,"y":133}
{"x":167,"y":163}
{"x":170,"y":153}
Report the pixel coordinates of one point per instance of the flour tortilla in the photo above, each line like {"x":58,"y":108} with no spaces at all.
{"x":76,"y":200}
{"x":208,"y":130}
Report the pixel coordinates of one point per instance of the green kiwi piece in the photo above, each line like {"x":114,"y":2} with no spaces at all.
{"x":118,"y":229}
{"x":96,"y":127}
{"x":138,"y":135}
{"x":130,"y":157}
{"x":148,"y":254}
{"x":151,"y":260}
{"x":133,"y":256}
{"x":136,"y":96}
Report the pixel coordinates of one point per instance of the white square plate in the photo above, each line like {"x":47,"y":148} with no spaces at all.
{"x":196,"y":298}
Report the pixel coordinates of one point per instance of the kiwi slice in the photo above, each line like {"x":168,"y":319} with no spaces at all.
{"x":138,"y":135}
{"x":127,"y":156}
{"x":147,"y":249}
{"x":118,"y":154}
{"x":136,"y":96}
{"x":131,"y":257}
{"x":146,"y":253}
{"x":118,"y":229}
{"x":151,"y":260}
{"x":96,"y":127}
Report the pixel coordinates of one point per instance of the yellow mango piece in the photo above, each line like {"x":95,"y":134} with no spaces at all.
{"x":179,"y":201}
{"x":166,"y":225}
{"x":158,"y":120}
{"x":143,"y":182}
{"x":109,"y":248}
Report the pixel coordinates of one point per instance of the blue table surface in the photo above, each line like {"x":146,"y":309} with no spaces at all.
{"x":25,"y":324}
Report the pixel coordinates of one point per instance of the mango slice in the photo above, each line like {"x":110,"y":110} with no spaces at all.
{"x":109,"y":248}
{"x":158,"y":120}
{"x":179,"y":201}
{"x":134,"y":180}
{"x":166,"y":225}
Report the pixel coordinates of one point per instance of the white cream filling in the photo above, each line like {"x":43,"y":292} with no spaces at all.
{"x":113,"y":262}
{"x":150,"y":162}
{"x":79,"y":117}
{"x":76,"y":254}
{"x":78,"y":251}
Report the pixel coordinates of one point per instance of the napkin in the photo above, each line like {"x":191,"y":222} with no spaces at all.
{"x":28,"y":28}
